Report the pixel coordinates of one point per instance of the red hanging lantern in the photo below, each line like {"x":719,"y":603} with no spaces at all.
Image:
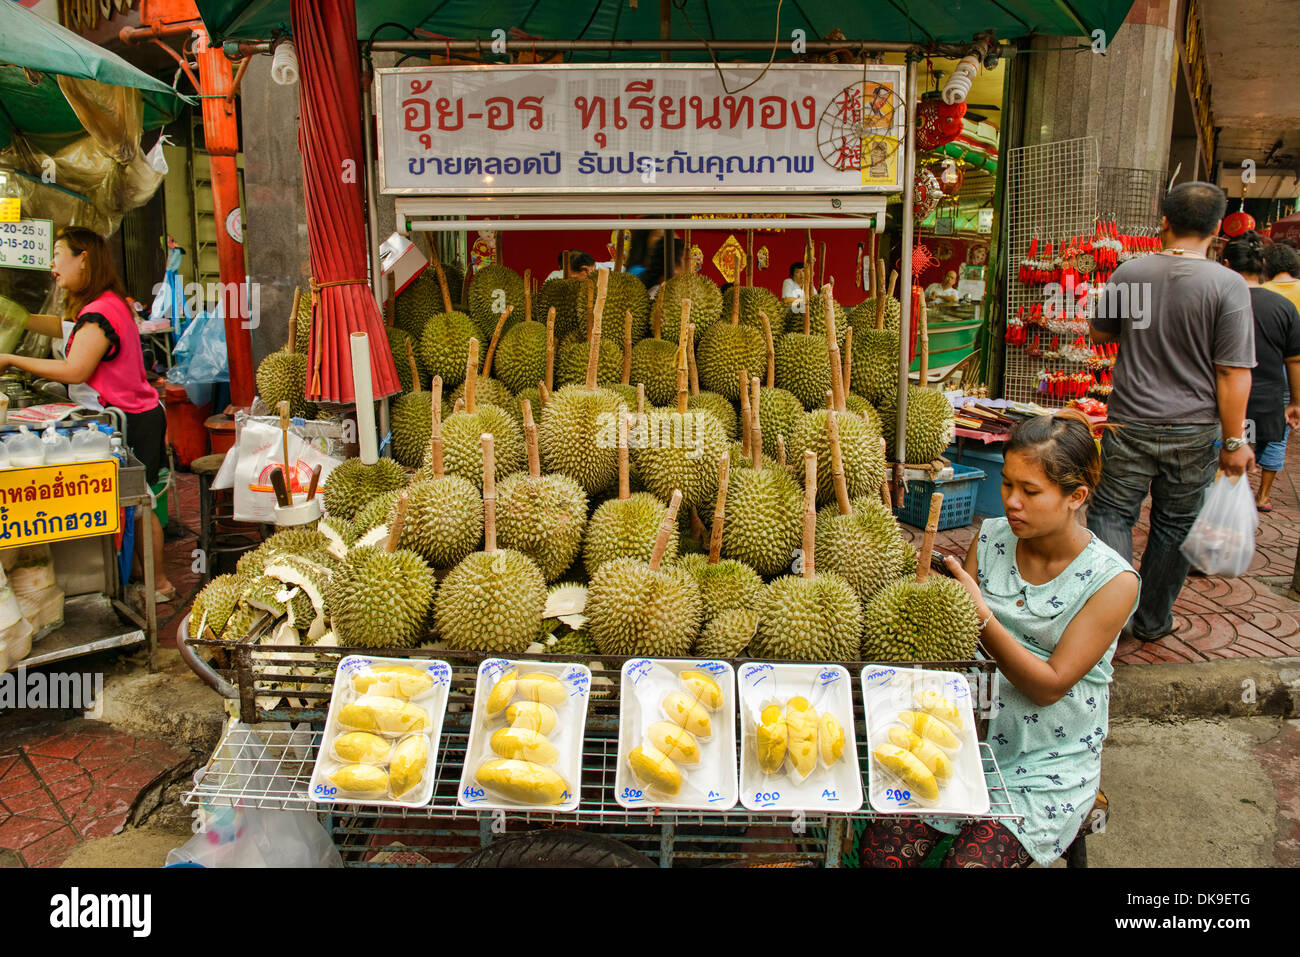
{"x":951,"y":176}
{"x":926,"y":193}
{"x":937,"y":122}
{"x":1235,"y":224}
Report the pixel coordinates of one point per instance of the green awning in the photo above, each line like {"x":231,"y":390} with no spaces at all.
{"x":917,"y":21}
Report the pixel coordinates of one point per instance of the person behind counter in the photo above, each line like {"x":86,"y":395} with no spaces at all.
{"x":103,"y":351}
{"x":1052,"y":598}
{"x":792,"y":288}
{"x":947,"y":290}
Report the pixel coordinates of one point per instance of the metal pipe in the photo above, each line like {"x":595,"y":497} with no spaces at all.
{"x":905,"y":275}
{"x":480,"y":45}
{"x":615,"y":222}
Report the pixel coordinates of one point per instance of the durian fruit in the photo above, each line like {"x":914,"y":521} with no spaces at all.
{"x":677,"y":450}
{"x":865,"y":411}
{"x":444,"y":339}
{"x":408,"y":371}
{"x":494,"y":290}
{"x":214,"y":605}
{"x":572,"y":299}
{"x":542,"y":516}
{"x":461,"y":431}
{"x":579,"y":426}
{"x":313,"y":578}
{"x":420,"y":300}
{"x":282,"y":376}
{"x":302,"y":325}
{"x":339,"y":535}
{"x":380,"y":596}
{"x":859,"y":540}
{"x":627,"y":294}
{"x":755,"y":300}
{"x":727,"y":348}
{"x":574,"y":643}
{"x":803,"y":366}
{"x":353,"y":483}
{"x":727,"y":635}
{"x":928,"y":618}
{"x":861,"y":455}
{"x":409,"y":416}
{"x":494,"y":599}
{"x":930,"y":424}
{"x":571,"y":364}
{"x":625,"y":527}
{"x":294,"y":541}
{"x":521,"y":354}
{"x":882,"y":310}
{"x":489,"y":391}
{"x":762,"y":514}
{"x":817,"y":315}
{"x":375,"y":513}
{"x":705,"y":298}
{"x":724,"y":584}
{"x":635,"y":608}
{"x":816,"y":617}
{"x":654,"y":364}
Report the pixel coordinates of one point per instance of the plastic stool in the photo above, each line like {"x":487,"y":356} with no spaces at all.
{"x":219,"y":533}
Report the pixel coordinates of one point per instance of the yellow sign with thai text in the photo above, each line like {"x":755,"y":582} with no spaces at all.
{"x":52,"y":503}
{"x":11,"y":209}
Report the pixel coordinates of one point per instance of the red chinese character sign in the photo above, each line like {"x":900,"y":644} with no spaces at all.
{"x":640,"y":128}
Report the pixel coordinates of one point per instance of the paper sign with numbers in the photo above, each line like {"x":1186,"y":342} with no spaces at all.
{"x":26,"y":244}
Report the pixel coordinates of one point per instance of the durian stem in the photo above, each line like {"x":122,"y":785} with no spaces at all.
{"x":640,"y":398}
{"x":543,"y":394}
{"x":550,"y":349}
{"x":809,"y":512}
{"x":530,"y":438}
{"x":749,"y":254}
{"x":893,"y":282}
{"x":395,"y":526}
{"x":745,"y":413}
{"x":459,"y":407}
{"x":927,"y":543}
{"x":471,"y":376}
{"x":847,"y":373}
{"x":809,"y":264}
{"x":665,"y":530}
{"x":735,"y":304}
{"x":821,"y":267}
{"x":724,"y":477}
{"x":442,"y":285}
{"x":755,"y":421}
{"x":780,"y":450}
{"x":771,"y":348}
{"x":837,"y":465}
{"x":683,"y":364}
{"x":884,"y":482}
{"x":657,"y":316}
{"x":435,"y":428}
{"x":293,"y":320}
{"x":618,"y":252}
{"x":879,"y":279}
{"x":924,"y":337}
{"x":415,"y":370}
{"x":591,"y":306}
{"x":833,"y":347}
{"x":692,"y":368}
{"x":528,"y":295}
{"x":593,"y":352}
{"x":492,"y":343}
{"x":627,"y":346}
{"x":489,"y":494}
{"x":624,"y":479}
{"x":565,"y":267}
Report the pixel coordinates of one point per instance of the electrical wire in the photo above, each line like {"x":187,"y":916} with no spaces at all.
{"x":680,"y":5}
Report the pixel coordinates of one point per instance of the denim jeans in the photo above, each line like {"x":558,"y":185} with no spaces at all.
{"x":1176,"y":463}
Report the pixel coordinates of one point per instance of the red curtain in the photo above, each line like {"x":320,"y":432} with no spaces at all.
{"x":334,"y":170}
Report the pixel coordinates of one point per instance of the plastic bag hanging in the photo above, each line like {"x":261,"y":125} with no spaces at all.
{"x":1222,"y":539}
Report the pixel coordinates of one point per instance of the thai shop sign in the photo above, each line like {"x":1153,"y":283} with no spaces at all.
{"x":640,"y":127}
{"x":51,"y":503}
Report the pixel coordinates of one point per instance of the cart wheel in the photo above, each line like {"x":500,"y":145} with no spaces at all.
{"x":556,"y":849}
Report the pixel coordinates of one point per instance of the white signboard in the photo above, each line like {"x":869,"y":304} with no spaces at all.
{"x":641,"y":128}
{"x":27,"y":244}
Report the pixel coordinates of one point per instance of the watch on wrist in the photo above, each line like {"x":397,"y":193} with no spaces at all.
{"x":1232,"y":444}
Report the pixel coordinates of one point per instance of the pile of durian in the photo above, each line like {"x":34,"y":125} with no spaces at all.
{"x":528,"y":517}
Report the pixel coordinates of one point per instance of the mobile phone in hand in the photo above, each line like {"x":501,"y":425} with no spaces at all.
{"x":937,"y":563}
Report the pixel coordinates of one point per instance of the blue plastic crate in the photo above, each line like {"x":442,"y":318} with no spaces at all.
{"x":959,"y":493}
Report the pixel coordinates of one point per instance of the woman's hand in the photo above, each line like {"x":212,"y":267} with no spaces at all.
{"x":964,"y":579}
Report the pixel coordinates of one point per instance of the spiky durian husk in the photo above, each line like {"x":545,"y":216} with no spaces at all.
{"x":875,"y":364}
{"x":351,"y":484}
{"x":214,"y":605}
{"x":462,"y":447}
{"x":422,"y":299}
{"x":292,"y":541}
{"x":934,"y":620}
{"x":410,"y":415}
{"x":706,"y":304}
{"x":571,"y":298}
{"x":654,"y":363}
{"x":866,"y":548}
{"x":722,"y":410}
{"x":817,"y":320}
{"x":930,"y":422}
{"x":302,"y":329}
{"x":492,"y":289}
{"x":625,"y":528}
{"x":754,"y":299}
{"x":863,"y":409}
{"x":728,"y":584}
{"x":574,"y":643}
{"x":809,"y":619}
{"x":486,"y":392}
{"x":779,"y":412}
{"x":864,"y":464}
{"x":520,"y":361}
{"x":626,"y":293}
{"x":543,"y":518}
{"x":726,"y":349}
{"x":443,"y":346}
{"x":398,"y":340}
{"x":727,"y":635}
{"x":571,"y":364}
{"x":578,"y":436}
{"x":380,"y":599}
{"x":374,"y":513}
{"x":671,"y":450}
{"x":863,"y":316}
{"x":763,"y":519}
{"x":803,"y":368}
{"x":632,"y":610}
{"x":491,"y":602}
{"x":283,"y":376}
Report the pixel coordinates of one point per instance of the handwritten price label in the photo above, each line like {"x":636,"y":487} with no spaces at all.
{"x":10,"y":210}
{"x":25,"y":243}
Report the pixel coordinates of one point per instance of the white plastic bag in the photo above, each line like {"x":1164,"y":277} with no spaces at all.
{"x":260,"y":452}
{"x":1222,"y":540}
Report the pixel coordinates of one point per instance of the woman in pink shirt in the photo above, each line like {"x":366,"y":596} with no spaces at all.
{"x":104,"y":352}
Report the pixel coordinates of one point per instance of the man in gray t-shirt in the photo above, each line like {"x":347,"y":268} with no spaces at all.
{"x":1186,"y":347}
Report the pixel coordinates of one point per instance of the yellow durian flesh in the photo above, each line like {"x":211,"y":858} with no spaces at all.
{"x":909,"y":769}
{"x":653,"y":768}
{"x":939,"y":706}
{"x":675,"y":742}
{"x":683,"y":711}
{"x":522,"y":781}
{"x":545,"y":688}
{"x":702,"y":688}
{"x":360,"y":779}
{"x":392,"y":681}
{"x":801,"y":736}
{"x":524,"y":745}
{"x":410,"y":758}
{"x":503,"y":692}
{"x":929,"y":754}
{"x":928,"y":726}
{"x":533,"y":715}
{"x":361,"y":747}
{"x":384,"y":715}
{"x":830,"y":739}
{"x":770,"y":738}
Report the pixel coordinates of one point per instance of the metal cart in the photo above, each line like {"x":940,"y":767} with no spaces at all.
{"x":445,"y":833}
